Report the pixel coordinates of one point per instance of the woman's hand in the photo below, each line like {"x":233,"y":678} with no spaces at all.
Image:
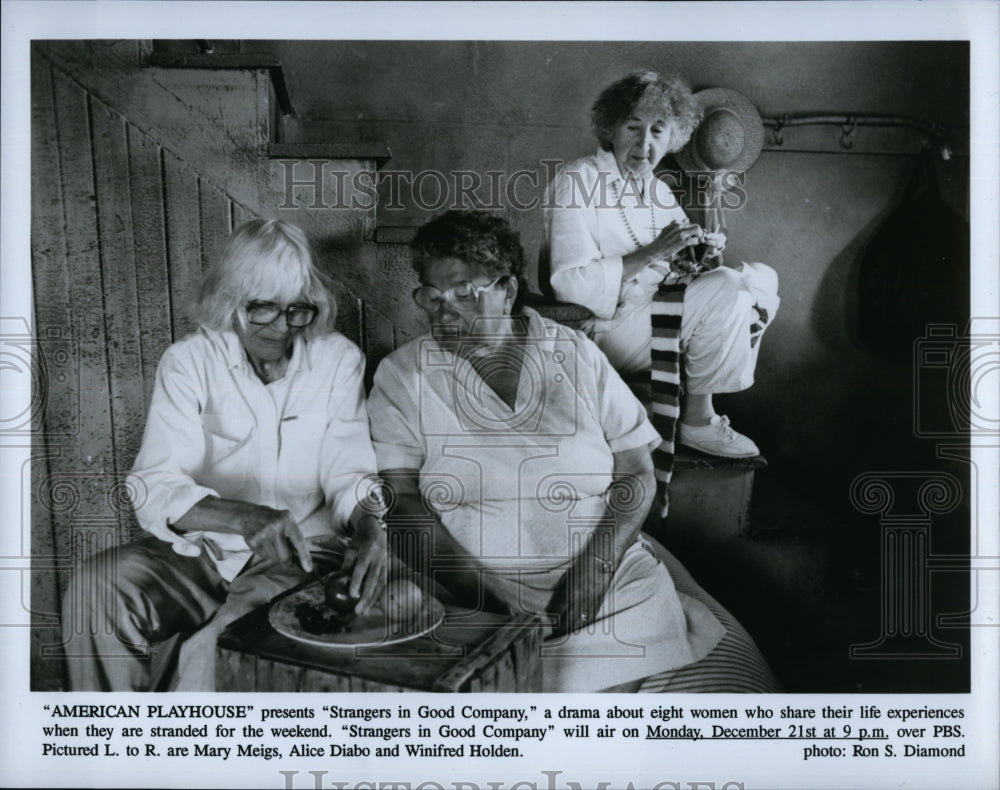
{"x":675,"y":239}
{"x":368,"y":554}
{"x":274,"y":535}
{"x":699,"y":257}
{"x":268,"y":532}
{"x":714,"y":243}
{"x":665,"y":254}
{"x":578,"y":597}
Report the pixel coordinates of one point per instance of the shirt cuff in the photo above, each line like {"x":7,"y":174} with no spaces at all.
{"x":597,"y":286}
{"x":159,"y":509}
{"x":649,"y":276}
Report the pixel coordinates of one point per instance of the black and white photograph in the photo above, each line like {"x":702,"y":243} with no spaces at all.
{"x":410,"y":391}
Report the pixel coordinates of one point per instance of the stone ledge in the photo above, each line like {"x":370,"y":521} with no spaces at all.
{"x":685,"y":458}
{"x":378,"y":152}
{"x":395,"y":234}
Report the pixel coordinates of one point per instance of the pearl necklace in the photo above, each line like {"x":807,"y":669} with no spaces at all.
{"x":624,"y":216}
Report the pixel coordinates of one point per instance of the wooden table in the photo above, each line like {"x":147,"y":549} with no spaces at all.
{"x":469,"y":651}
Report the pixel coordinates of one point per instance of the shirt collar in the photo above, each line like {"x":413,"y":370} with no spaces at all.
{"x":232,"y":350}
{"x":606,"y":163}
{"x":541,"y":334}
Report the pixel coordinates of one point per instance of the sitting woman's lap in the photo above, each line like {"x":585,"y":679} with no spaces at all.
{"x":735,"y":665}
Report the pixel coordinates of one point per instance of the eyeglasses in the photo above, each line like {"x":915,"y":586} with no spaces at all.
{"x":296,"y":315}
{"x":464,"y":296}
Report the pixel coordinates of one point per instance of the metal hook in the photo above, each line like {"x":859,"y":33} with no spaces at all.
{"x":777,"y":137}
{"x":847,"y":129}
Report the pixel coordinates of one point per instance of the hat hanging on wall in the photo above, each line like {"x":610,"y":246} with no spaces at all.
{"x":729,"y":136}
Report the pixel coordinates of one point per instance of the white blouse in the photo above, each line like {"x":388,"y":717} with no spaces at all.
{"x":300,"y":443}
{"x":593,"y":217}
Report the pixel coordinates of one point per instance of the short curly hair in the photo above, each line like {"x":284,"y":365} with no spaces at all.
{"x":645,"y":90}
{"x":475,"y":237}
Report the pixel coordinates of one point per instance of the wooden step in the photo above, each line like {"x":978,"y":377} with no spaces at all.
{"x":709,"y":498}
{"x":378,"y":153}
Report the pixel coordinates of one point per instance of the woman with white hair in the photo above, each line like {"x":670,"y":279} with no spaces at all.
{"x":615,"y":233}
{"x":256,"y":448}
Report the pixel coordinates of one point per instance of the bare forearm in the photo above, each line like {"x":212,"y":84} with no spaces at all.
{"x":364,"y":518}
{"x":663,"y":250}
{"x":216,"y":514}
{"x":268,"y":532}
{"x":628,"y":499}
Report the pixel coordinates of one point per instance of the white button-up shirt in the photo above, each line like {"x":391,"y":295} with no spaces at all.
{"x":215,"y":429}
{"x":591,"y":216}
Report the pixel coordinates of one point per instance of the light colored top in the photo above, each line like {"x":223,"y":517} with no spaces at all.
{"x":518,"y":487}
{"x":522,"y":489}
{"x":585,"y":238}
{"x":215,"y":429}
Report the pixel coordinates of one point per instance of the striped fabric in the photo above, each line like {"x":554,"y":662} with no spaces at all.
{"x":735,"y":665}
{"x":757,"y":327}
{"x":665,"y":387}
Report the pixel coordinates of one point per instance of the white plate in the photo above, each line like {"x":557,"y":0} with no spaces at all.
{"x":370,"y":630}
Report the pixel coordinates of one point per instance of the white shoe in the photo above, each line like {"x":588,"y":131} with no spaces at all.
{"x":717,"y":438}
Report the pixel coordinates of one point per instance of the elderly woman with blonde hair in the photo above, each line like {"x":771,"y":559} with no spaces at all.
{"x":256,"y":448}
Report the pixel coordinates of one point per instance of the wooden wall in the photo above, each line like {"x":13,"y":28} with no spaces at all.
{"x":121,"y":231}
{"x":125,"y":219}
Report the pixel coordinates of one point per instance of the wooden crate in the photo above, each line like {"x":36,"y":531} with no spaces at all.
{"x":470,"y":651}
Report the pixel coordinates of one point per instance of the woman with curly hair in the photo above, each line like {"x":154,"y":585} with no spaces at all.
{"x":614,"y":233}
{"x":515,"y":441}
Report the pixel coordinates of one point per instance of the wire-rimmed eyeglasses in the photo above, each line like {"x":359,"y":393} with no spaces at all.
{"x":464,"y":296}
{"x":297,"y":315}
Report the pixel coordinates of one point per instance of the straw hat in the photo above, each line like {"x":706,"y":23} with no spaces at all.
{"x":729,"y":136}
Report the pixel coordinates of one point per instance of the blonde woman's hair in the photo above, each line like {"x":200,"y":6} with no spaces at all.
{"x":266,"y":259}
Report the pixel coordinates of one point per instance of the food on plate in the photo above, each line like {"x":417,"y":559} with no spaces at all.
{"x":318,"y":619}
{"x":401,"y":600}
{"x":337,"y":592}
{"x":336,"y":613}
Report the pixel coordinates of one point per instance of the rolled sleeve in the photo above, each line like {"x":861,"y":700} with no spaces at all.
{"x":162,"y":484}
